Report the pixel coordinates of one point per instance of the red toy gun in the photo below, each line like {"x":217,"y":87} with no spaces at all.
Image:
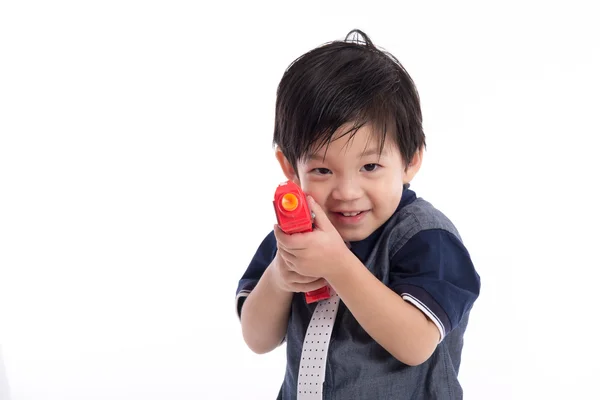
{"x":294,"y":216}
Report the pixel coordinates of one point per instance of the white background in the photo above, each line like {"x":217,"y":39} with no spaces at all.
{"x":136,"y":179}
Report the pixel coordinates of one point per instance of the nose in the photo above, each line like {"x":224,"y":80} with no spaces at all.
{"x":347,"y":190}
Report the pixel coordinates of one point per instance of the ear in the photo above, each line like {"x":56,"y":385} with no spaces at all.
{"x":413,"y":167}
{"x":286,"y":167}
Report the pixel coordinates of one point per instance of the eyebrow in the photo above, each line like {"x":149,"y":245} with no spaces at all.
{"x":366,"y":153}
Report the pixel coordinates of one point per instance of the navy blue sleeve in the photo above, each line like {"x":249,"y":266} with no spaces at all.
{"x":434,"y":272}
{"x":262,"y":259}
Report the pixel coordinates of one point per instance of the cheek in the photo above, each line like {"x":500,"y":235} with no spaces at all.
{"x":316,"y":192}
{"x":387,"y":194}
{"x":310,"y":188}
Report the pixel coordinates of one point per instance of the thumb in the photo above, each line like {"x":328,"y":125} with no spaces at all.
{"x":321,"y":220}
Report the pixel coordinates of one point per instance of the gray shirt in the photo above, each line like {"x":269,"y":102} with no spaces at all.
{"x":419,"y":254}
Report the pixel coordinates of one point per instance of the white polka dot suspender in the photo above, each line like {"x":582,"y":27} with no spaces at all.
{"x":311,"y":373}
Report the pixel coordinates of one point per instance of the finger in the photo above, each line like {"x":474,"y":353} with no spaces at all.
{"x":294,"y":277}
{"x":290,"y":243}
{"x":279,"y":234}
{"x":308,"y":287}
{"x":284,"y":240}
{"x":321,"y":220}
{"x":285,"y":254}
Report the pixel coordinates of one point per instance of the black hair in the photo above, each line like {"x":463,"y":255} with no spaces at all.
{"x":342,"y":82}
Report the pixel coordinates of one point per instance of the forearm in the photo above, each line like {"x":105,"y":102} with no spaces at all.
{"x":400,"y":328}
{"x":265,"y":315}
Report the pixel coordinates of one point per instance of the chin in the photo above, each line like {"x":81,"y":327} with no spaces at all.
{"x":350,"y":236}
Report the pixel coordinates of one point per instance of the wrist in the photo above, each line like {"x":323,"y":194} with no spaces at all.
{"x":340,"y":269}
{"x":274,"y":283}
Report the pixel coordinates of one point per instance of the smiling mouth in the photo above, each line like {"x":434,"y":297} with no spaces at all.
{"x":348,"y":218}
{"x":351,"y":214}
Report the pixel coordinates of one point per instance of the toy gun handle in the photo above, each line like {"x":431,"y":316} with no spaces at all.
{"x":294,"y":216}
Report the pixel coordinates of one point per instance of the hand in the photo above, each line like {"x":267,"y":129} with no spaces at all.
{"x":313,"y":254}
{"x":288,"y":280}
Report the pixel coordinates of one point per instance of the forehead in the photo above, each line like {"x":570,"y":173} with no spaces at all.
{"x":348,"y":142}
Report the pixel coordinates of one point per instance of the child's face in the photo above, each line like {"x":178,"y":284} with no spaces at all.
{"x":358,"y":189}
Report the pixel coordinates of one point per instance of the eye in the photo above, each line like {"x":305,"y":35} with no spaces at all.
{"x":321,"y":171}
{"x":371,"y":167}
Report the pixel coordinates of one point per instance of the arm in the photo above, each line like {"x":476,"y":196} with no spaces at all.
{"x":265,"y":314}
{"x":266,"y":311}
{"x":399,"y":327}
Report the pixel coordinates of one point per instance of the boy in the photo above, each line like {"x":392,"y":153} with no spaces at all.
{"x":348,"y":131}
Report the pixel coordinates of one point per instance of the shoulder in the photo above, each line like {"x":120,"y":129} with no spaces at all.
{"x":418,"y":216}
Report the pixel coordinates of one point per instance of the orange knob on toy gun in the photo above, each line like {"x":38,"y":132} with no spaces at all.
{"x":289,"y":202}
{"x":294,"y":216}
